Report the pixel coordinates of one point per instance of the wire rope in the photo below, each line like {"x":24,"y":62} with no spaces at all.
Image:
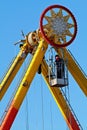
{"x":26,"y":103}
{"x":27,"y":118}
{"x":42,"y":104}
{"x":51,"y":116}
{"x":69,"y":103}
{"x":67,"y":98}
{"x":67,"y":95}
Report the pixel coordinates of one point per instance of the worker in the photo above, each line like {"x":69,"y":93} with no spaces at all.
{"x":59,"y":67}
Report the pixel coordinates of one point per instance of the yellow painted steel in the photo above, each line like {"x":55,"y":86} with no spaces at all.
{"x":11,"y":74}
{"x":30,"y":73}
{"x":75,"y":71}
{"x":55,"y":91}
{"x":58,"y":97}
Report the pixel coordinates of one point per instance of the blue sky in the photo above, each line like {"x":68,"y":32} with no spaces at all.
{"x":24,"y":15}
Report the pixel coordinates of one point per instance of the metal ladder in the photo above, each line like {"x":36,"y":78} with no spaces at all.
{"x":71,"y":109}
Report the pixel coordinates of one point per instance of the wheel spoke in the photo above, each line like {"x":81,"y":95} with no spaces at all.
{"x":69,"y":25}
{"x":47,"y":18}
{"x":68,"y":33}
{"x":47,"y":26}
{"x":63,"y":37}
{"x":66,"y":18}
{"x":53,"y":14}
{"x":60,"y":14}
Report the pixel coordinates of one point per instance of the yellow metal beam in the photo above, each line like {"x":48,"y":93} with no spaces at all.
{"x":15,"y":66}
{"x":75,"y":70}
{"x":61,"y":102}
{"x":24,"y":85}
{"x":5,"y":83}
{"x":31,"y":71}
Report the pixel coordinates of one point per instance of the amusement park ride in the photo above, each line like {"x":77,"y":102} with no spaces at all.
{"x":58,"y":28}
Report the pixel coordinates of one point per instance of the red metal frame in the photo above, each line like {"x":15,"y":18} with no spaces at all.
{"x":42,"y":30}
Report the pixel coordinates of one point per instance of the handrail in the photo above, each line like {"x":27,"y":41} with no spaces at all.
{"x":77,"y":63}
{"x":68,"y":103}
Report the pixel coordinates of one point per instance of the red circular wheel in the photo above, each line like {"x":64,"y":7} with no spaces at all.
{"x":58,"y":26}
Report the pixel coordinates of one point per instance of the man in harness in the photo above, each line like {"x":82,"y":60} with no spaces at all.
{"x":59,"y":67}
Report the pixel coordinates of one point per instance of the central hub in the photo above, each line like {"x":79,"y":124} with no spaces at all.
{"x":58,"y":25}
